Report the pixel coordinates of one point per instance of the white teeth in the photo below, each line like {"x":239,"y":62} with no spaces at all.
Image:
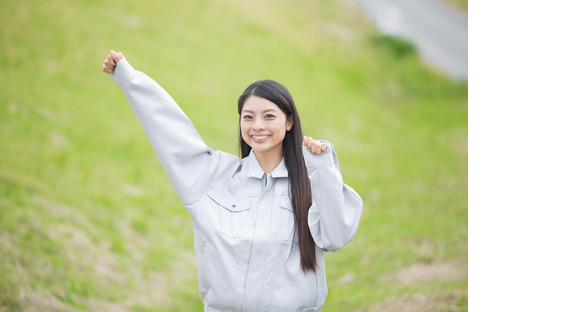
{"x":260,"y":137}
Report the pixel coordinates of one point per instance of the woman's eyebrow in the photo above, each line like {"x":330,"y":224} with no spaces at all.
{"x":264,"y":111}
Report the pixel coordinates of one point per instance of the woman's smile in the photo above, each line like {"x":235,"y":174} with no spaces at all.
{"x":260,"y":138}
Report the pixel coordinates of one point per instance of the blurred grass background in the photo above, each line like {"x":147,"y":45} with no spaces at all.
{"x":90,"y":222}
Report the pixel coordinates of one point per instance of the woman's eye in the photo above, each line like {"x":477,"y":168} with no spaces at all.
{"x":247,"y":117}
{"x":270,"y":116}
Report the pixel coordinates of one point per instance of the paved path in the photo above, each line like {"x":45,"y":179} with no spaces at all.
{"x":439,"y":32}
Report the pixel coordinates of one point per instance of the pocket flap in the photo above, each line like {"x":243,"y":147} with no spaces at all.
{"x":229,"y":203}
{"x":286,"y":203}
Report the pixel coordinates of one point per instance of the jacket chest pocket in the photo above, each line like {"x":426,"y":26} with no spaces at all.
{"x":225,"y":214}
{"x":285,"y":230}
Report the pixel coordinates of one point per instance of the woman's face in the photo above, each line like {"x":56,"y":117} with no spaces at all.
{"x":263,"y":126}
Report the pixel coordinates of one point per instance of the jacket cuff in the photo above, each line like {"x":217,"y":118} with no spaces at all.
{"x":123,"y":72}
{"x":326,"y":158}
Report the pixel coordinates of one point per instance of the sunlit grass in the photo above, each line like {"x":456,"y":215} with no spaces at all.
{"x":88,"y":219}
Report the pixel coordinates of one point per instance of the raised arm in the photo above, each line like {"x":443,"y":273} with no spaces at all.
{"x":336,"y":210}
{"x":188,"y":162}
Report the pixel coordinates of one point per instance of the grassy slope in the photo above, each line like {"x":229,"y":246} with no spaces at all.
{"x":459,"y":5}
{"x":88,"y":219}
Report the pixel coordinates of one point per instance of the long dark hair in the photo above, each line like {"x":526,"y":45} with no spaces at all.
{"x":294,"y":160}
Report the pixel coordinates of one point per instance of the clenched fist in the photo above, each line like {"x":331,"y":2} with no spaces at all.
{"x":314,"y":146}
{"x":111,"y":61}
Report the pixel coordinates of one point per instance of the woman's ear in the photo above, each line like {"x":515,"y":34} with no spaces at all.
{"x":289,"y":123}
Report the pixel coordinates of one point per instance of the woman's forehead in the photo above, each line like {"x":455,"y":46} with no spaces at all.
{"x":257,"y":105}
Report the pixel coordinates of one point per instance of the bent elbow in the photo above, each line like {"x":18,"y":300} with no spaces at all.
{"x":333,"y":231}
{"x":336,"y":238}
{"x":335,"y":244}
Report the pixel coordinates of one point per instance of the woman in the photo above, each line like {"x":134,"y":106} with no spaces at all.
{"x":261,"y":223}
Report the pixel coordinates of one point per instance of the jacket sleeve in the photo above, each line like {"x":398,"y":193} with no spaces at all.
{"x":188,"y":162}
{"x":337,"y":208}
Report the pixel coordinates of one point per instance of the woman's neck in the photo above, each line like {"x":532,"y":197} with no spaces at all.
{"x":269,"y":161}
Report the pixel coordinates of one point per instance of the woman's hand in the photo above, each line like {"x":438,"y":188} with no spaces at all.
{"x":111,"y":61}
{"x":314,"y":146}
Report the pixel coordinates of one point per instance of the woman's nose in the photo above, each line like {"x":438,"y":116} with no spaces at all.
{"x":258,"y":124}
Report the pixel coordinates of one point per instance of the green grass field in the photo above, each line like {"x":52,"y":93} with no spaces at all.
{"x":88,"y":218}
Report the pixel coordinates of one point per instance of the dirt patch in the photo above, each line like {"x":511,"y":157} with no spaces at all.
{"x":421,"y":273}
{"x":423,"y":303}
{"x":424,"y":273}
{"x":42,"y":301}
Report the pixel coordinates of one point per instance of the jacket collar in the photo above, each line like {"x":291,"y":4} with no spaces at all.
{"x":255,"y":170}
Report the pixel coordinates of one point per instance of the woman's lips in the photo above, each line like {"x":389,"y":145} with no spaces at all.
{"x":260,"y":138}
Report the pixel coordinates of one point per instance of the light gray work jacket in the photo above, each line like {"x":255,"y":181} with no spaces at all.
{"x":247,"y":256}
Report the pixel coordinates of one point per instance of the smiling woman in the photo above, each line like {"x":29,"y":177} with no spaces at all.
{"x":262,"y":222}
{"x":263,"y":126}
